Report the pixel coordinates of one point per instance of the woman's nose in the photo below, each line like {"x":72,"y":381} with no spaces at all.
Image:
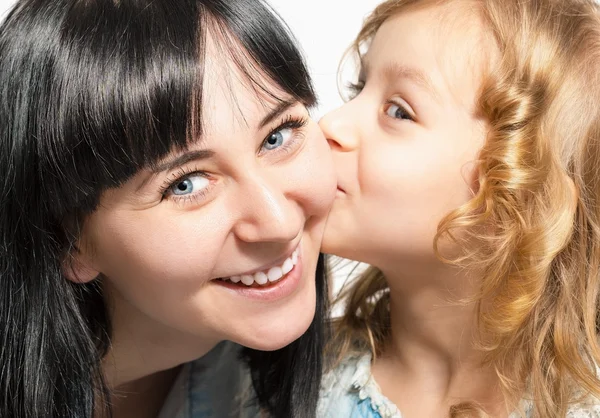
{"x":267,"y":215}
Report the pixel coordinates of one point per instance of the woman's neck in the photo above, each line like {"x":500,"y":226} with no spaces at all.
{"x":143,"y":360}
{"x":140,"y":346}
{"x":143,"y":398}
{"x":136,"y":354}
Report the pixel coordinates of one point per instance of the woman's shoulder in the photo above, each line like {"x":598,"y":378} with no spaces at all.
{"x":215,"y":385}
{"x":349,"y":390}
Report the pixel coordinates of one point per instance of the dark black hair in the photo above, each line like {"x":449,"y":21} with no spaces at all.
{"x":92,"y":91}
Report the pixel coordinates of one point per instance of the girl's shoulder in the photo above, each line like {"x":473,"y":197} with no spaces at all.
{"x":349,"y":390}
{"x":587,"y":409}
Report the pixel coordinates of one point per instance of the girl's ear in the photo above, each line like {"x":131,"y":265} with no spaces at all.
{"x":77,"y":268}
{"x":470,"y":174}
{"x":574,"y":190}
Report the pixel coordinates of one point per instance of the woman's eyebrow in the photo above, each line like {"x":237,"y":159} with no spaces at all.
{"x":173,"y":163}
{"x":182,"y":159}
{"x":186,"y":157}
{"x":281,"y":107}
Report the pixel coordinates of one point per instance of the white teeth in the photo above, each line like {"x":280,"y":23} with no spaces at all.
{"x":261,"y":278}
{"x":247,"y":279}
{"x":288,"y":265}
{"x":275,"y":274}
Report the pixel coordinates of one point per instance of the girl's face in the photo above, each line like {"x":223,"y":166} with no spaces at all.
{"x":221,"y":241}
{"x":404,"y":145}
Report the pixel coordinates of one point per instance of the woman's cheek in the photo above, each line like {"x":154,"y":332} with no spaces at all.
{"x":178,"y":247}
{"x":320,"y":175}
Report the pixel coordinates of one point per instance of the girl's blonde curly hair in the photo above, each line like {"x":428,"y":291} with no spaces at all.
{"x":535,"y":217}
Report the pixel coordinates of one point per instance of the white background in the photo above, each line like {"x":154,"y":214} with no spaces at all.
{"x":4,"y":5}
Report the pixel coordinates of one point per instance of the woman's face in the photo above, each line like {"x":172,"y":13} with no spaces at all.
{"x":404,"y":146}
{"x":221,"y":241}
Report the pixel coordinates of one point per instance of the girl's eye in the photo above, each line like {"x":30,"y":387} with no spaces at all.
{"x":278,"y":138}
{"x":190,"y":185}
{"x":397,"y":112}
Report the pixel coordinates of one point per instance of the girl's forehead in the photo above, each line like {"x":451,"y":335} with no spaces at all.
{"x":434,"y":43}
{"x":439,"y":28}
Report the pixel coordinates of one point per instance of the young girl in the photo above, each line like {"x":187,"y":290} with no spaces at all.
{"x":163,"y":195}
{"x":468,"y":167}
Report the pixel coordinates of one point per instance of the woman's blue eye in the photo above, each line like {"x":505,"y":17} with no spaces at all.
{"x":190,"y":185}
{"x":397,"y":112}
{"x":277,"y":138}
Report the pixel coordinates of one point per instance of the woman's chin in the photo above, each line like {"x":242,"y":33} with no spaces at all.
{"x":279,"y":333}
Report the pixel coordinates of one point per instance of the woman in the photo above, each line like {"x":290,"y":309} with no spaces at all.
{"x":163,"y":190}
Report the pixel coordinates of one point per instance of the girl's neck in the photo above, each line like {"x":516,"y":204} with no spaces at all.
{"x":431,"y":347}
{"x":431,"y":316}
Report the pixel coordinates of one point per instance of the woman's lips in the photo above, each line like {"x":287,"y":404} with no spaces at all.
{"x":271,"y":291}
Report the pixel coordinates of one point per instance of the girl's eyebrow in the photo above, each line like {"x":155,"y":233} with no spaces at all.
{"x":394,"y":70}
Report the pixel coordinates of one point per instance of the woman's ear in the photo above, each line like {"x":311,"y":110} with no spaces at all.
{"x":77,"y":268}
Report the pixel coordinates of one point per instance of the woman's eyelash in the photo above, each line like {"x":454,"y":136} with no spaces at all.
{"x":290,"y":122}
{"x":177,"y":177}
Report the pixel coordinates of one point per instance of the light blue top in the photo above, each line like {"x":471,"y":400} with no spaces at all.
{"x":350,"y":391}
{"x":214,"y":386}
